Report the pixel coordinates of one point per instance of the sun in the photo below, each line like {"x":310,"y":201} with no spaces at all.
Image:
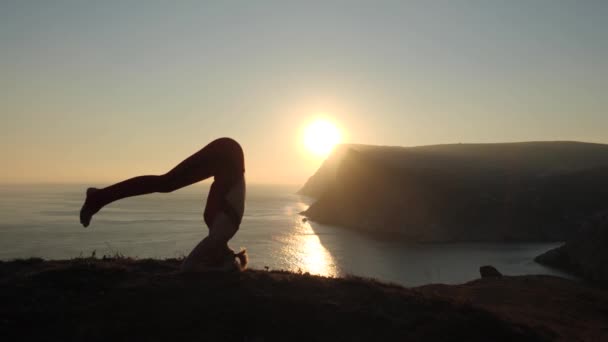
{"x":320,"y":137}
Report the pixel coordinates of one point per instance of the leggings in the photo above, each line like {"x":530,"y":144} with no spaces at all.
{"x":222,"y":158}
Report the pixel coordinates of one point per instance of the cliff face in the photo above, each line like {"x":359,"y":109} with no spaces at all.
{"x":321,"y":180}
{"x":465,"y":192}
{"x":585,"y":254}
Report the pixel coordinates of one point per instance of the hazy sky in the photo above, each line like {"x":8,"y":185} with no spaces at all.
{"x":96,"y":91}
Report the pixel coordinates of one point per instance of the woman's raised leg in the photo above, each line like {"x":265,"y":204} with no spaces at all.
{"x":203,"y":164}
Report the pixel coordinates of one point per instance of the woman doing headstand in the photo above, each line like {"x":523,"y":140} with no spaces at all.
{"x":222,"y":159}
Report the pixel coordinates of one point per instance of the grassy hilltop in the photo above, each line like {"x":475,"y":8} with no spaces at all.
{"x":148,"y":300}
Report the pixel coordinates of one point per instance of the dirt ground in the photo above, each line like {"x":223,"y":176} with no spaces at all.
{"x":149,"y":300}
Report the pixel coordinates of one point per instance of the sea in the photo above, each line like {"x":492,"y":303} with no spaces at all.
{"x":41,"y":220}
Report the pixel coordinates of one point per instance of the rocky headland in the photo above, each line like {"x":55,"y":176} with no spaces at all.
{"x":585,"y":253}
{"x":532,"y":191}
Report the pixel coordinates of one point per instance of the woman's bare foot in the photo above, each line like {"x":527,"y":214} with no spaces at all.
{"x":89,"y":208}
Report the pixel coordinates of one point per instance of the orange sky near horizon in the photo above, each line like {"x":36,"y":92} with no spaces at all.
{"x":98,"y":92}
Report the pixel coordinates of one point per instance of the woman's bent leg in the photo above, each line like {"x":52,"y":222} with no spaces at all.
{"x":213,"y":249}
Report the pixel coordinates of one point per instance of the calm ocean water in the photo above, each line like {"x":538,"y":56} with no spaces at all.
{"x":42,"y":221}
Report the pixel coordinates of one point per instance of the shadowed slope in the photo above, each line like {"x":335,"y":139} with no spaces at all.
{"x":585,"y":254}
{"x":564,"y":309}
{"x":93,"y":300}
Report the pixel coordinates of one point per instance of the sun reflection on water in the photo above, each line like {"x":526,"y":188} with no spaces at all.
{"x":304,"y":249}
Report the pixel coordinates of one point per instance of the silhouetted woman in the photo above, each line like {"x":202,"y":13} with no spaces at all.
{"x":222,"y":159}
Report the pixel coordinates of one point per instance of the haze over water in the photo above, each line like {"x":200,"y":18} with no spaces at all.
{"x":42,"y":221}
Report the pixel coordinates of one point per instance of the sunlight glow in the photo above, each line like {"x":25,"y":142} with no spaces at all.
{"x":305,"y":251}
{"x":320,"y":137}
